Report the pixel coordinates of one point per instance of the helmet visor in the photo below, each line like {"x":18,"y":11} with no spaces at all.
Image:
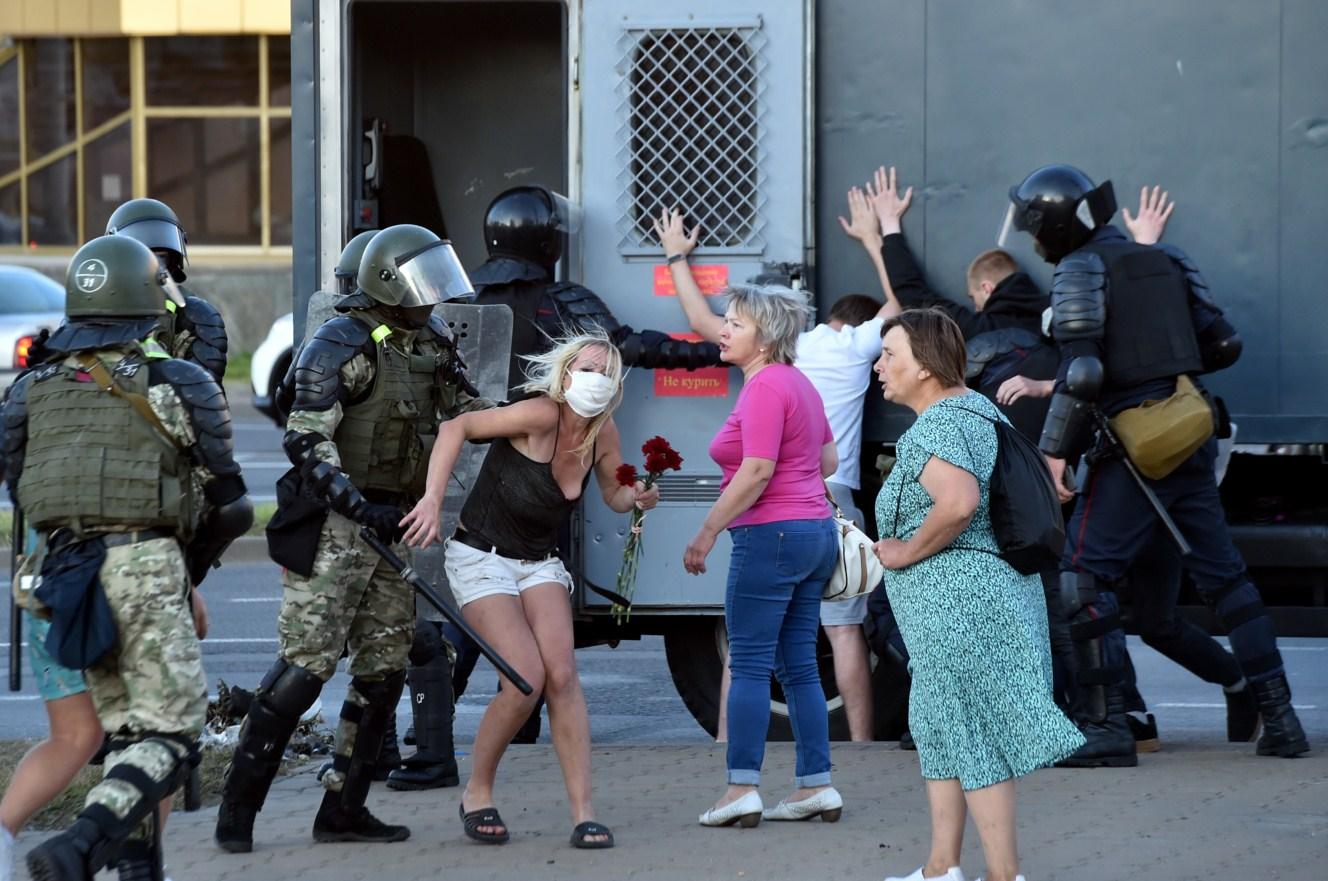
{"x":1019,"y":217}
{"x":566,"y":214}
{"x":171,"y":290}
{"x":155,"y":234}
{"x":432,"y":275}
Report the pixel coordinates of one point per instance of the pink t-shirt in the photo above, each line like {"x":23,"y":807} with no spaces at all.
{"x":779,"y":416}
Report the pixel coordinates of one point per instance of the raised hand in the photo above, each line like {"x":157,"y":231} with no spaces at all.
{"x":672,"y":236}
{"x":1154,"y":212}
{"x":863,"y":225}
{"x":883,"y":194}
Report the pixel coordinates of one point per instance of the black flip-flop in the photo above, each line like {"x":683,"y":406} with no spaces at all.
{"x":581,"y":835}
{"x":484,"y":817}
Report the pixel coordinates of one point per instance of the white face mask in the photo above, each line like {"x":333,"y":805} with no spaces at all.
{"x":590,"y":393}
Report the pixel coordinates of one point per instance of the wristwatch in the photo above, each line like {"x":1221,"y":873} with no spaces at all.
{"x":675,"y":258}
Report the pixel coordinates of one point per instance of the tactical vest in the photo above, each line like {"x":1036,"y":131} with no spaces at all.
{"x":1149,"y":334}
{"x":93,"y":462}
{"x":384,"y":440}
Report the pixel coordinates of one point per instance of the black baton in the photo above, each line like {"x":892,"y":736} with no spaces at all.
{"x":16,"y":542}
{"x":1104,"y":426}
{"x":416,"y":581}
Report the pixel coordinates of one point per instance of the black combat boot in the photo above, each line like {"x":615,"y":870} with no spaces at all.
{"x":139,"y":861}
{"x":389,"y":755}
{"x":74,"y":855}
{"x":285,"y":693}
{"x":1143,"y":728}
{"x":1106,"y":728}
{"x":433,"y":765}
{"x":342,"y":815}
{"x":1242,"y":714}
{"x":1282,"y":734}
{"x":336,"y":823}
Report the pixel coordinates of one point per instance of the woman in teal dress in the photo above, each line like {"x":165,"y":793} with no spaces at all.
{"x":980,"y":708}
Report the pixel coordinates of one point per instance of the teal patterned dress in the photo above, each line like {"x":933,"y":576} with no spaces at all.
{"x":980,"y":708}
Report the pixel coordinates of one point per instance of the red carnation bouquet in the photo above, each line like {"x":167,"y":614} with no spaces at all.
{"x":660,"y":457}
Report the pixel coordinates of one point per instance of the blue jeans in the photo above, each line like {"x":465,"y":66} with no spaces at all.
{"x":777,"y":575}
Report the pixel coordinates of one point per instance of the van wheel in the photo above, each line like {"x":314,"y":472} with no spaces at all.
{"x":696,"y":651}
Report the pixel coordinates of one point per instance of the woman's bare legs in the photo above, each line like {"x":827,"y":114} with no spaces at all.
{"x":49,"y":766}
{"x":993,"y":810}
{"x":549,"y":612}
{"x":501,"y":621}
{"x":945,"y":799}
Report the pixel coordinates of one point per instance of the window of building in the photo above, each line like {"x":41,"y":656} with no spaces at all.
{"x":215,"y":147}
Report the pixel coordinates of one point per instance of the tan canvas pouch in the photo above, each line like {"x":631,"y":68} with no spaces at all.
{"x":1160,"y":435}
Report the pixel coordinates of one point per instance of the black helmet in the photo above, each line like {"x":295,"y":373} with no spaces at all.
{"x":348,"y":264}
{"x":154,"y":224}
{"x":527,"y":222}
{"x":1059,"y":206}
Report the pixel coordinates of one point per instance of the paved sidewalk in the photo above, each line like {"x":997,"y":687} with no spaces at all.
{"x":1201,"y":811}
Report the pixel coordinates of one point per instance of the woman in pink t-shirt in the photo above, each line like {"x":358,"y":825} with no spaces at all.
{"x":775,"y":450}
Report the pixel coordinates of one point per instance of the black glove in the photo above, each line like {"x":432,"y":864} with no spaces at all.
{"x":382,"y":519}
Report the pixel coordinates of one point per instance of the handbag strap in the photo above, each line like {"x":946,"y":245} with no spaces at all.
{"x":830,"y":497}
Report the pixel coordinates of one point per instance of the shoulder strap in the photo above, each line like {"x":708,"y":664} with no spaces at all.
{"x":97,"y":370}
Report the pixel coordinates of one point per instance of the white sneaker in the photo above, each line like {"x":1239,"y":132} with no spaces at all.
{"x":745,"y":810}
{"x":827,"y":804}
{"x":1016,"y":878}
{"x":6,"y":853}
{"x":952,"y":874}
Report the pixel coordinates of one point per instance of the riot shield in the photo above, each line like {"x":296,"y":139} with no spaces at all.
{"x":484,"y":338}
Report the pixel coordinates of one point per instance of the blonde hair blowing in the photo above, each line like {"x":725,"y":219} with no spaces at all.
{"x":779,"y":313}
{"x":545,"y":372}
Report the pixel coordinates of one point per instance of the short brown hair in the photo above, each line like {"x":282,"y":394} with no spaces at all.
{"x":936,"y":341}
{"x":854,"y":309}
{"x":994,"y":266}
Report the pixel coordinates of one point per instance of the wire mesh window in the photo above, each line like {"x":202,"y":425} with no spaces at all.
{"x":691,"y":133}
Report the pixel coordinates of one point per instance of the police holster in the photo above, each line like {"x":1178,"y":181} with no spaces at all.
{"x":292,"y":533}
{"x":1159,"y":435}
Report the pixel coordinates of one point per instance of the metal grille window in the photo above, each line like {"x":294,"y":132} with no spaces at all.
{"x":690,"y":133}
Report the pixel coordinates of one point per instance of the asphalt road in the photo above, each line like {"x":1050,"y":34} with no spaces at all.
{"x":630,"y":692}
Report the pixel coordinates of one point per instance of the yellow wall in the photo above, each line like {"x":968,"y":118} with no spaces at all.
{"x":79,"y":18}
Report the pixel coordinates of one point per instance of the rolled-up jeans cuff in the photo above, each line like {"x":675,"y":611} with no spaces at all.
{"x":808,"y":781}
{"x":745,"y":777}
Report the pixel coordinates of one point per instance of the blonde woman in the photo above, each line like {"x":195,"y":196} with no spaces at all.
{"x":502,"y":561}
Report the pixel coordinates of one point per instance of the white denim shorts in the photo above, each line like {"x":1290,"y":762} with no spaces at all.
{"x":474,"y":574}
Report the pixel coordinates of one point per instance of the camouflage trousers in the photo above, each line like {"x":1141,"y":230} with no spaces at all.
{"x":152,"y":683}
{"x":354,"y":600}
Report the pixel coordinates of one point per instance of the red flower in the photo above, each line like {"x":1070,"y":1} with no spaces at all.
{"x":626,"y":475}
{"x":660,"y":456}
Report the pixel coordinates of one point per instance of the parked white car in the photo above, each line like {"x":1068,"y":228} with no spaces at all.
{"x":271,"y":361}
{"x":29,"y":303}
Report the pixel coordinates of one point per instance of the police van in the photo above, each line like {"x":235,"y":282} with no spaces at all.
{"x":756,"y":116}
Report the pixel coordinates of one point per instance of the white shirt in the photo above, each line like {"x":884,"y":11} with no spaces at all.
{"x":839,"y":363}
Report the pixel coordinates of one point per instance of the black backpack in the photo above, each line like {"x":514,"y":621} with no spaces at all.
{"x":1025,"y":510}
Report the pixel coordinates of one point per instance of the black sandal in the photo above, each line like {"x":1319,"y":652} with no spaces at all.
{"x":484,"y":817}
{"x":583,"y":832}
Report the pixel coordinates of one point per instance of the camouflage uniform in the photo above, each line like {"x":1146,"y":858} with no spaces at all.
{"x":370,"y":388}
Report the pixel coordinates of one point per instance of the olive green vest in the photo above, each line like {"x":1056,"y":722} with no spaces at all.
{"x":384,"y":440}
{"x":92,"y":462}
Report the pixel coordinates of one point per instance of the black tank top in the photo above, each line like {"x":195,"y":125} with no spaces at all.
{"x":516,"y":505}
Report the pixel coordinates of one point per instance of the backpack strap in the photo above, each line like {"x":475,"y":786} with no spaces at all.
{"x":92,"y":365}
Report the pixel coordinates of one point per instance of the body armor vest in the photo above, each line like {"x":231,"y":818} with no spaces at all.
{"x":1148,"y":334}
{"x":384,"y":440}
{"x":93,"y":462}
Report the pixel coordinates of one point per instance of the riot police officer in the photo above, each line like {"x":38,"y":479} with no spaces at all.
{"x":192,"y":329}
{"x":1130,"y":321}
{"x":370,"y":386}
{"x":121,"y":457}
{"x":524,"y":232}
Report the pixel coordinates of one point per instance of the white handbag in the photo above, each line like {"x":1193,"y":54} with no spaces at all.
{"x":858,"y":570}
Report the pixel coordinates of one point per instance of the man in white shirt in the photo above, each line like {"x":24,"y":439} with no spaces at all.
{"x":837,"y":357}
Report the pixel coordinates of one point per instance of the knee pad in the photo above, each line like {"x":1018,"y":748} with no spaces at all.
{"x":287,"y":690}
{"x":427,"y":644}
